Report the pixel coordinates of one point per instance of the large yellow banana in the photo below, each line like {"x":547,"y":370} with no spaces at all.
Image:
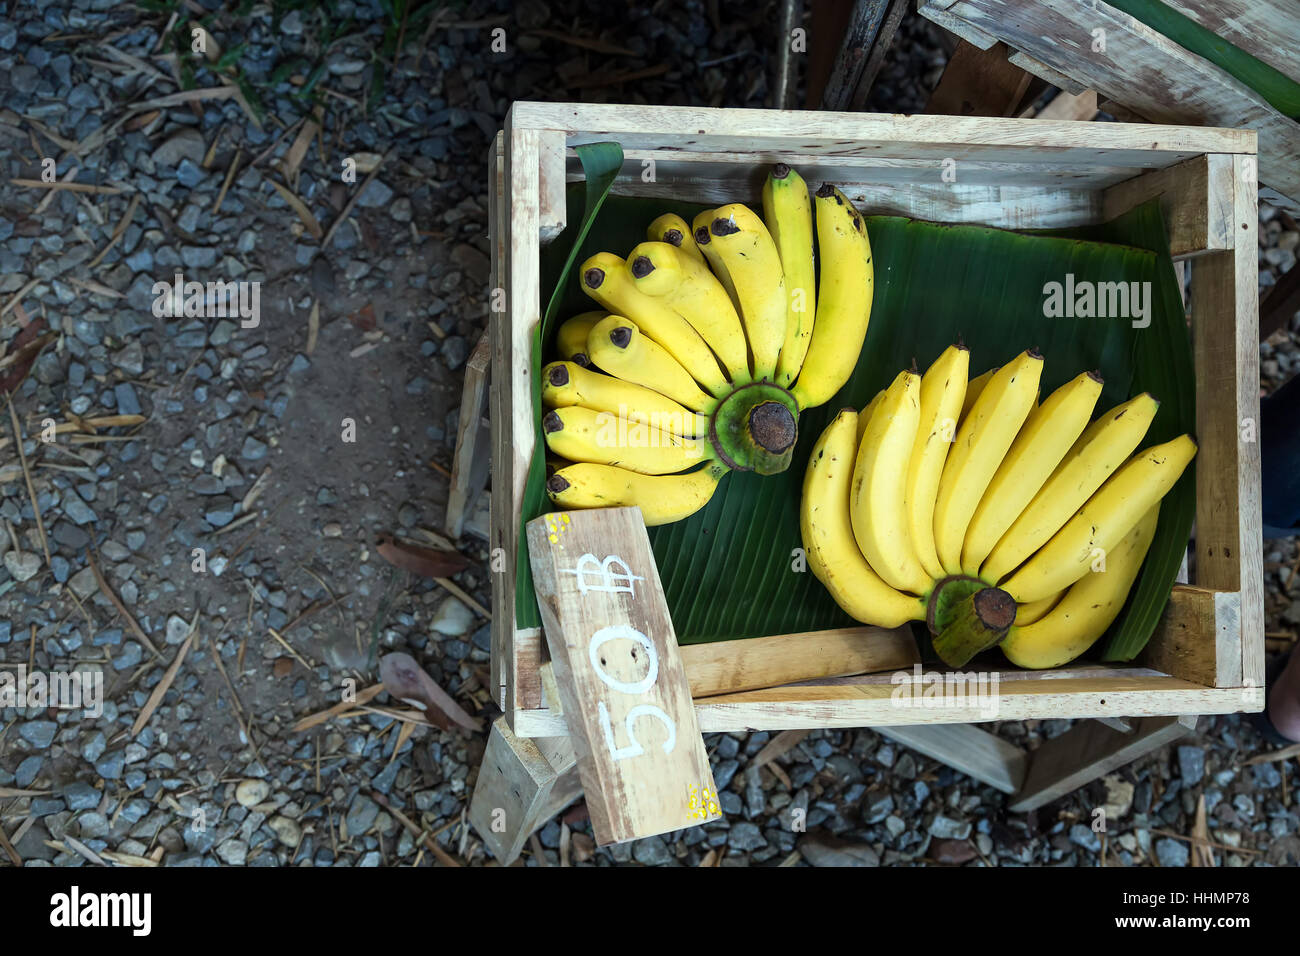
{"x":787,"y":210}
{"x":584,"y":434}
{"x":879,"y":492}
{"x":982,"y":442}
{"x":616,"y":345}
{"x":676,"y":231}
{"x":1088,"y":607}
{"x":1104,"y":446}
{"x":973,"y":390}
{"x":571,"y":338}
{"x":943,"y":387}
{"x":1101,"y":524}
{"x":844,"y":297}
{"x":864,"y":416}
{"x":1047,"y":435}
{"x":665,"y":272}
{"x":827,"y":530}
{"x":738,"y":245}
{"x":567,"y":383}
{"x":605,"y":278}
{"x":662,"y":499}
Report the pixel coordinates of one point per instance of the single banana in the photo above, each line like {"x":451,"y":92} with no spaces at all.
{"x":617,"y":346}
{"x":1029,"y":613}
{"x":787,"y":210}
{"x":676,"y":231}
{"x":605,"y":278}
{"x":571,"y":339}
{"x":662,"y":499}
{"x":567,"y":383}
{"x":878,"y":496}
{"x":1088,"y":607}
{"x":843,"y":299}
{"x":973,"y":390}
{"x":942,"y":388}
{"x":982,"y":442}
{"x":1104,"y":445}
{"x":1046,"y":438}
{"x":737,"y":244}
{"x":864,"y":416}
{"x":664,"y":272}
{"x":1102,"y":523}
{"x":584,"y":434}
{"x":827,"y":530}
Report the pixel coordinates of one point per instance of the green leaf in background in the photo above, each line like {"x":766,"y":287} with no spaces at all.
{"x":600,"y":165}
{"x":1278,"y":90}
{"x":729,"y":571}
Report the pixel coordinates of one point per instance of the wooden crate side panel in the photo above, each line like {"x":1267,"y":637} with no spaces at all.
{"x":840,"y":135}
{"x":1225,"y":317}
{"x":1198,"y":638}
{"x":1195,"y":199}
{"x":502,"y":653}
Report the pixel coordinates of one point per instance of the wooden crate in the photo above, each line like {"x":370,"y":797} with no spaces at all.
{"x":1208,"y":653}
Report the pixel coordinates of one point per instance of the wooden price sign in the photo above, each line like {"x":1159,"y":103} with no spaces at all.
{"x":619,"y":673}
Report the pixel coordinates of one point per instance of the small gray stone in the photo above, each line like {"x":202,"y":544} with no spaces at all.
{"x":22,"y":566}
{"x":111,"y":765}
{"x":83,"y":583}
{"x":128,"y":403}
{"x":27,"y":770}
{"x":39,"y":733}
{"x":361,"y":815}
{"x":652,"y":851}
{"x":1191,"y":765}
{"x":452,"y":618}
{"x":77,"y":510}
{"x":1170,"y":852}
{"x":376,"y":194}
{"x":745,"y":836}
{"x":253,"y":450}
{"x":81,"y":796}
{"x":94,"y":746}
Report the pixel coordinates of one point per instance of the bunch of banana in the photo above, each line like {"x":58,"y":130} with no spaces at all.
{"x":710,"y":340}
{"x":965,"y":503}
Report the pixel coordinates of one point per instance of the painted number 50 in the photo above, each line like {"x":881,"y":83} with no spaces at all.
{"x":634,"y":748}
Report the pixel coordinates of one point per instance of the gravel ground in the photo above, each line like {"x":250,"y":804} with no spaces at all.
{"x":246,"y":455}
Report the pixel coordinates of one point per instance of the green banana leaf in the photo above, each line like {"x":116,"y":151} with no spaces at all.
{"x":734,"y":569}
{"x":1278,"y":90}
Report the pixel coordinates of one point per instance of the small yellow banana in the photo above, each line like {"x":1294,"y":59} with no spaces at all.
{"x":571,"y":339}
{"x":1088,"y":607}
{"x":844,"y":298}
{"x":827,"y":531}
{"x":1104,"y":446}
{"x":676,"y":231}
{"x":942,"y":388}
{"x":973,"y":389}
{"x":605,"y":278}
{"x":879,"y":491}
{"x":662,"y":499}
{"x":787,"y":210}
{"x":982,"y":442}
{"x":1102,"y":523}
{"x":864,"y":416}
{"x":665,"y":272}
{"x":1029,"y":613}
{"x":567,"y":383}
{"x":584,"y":434}
{"x":739,"y":247}
{"x":1047,"y":435}
{"x":617,"y":346}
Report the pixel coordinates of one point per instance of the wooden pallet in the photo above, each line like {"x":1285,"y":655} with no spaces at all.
{"x":1207,"y":656}
{"x":1145,"y":72}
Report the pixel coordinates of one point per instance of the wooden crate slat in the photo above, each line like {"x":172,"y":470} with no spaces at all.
{"x":1143,"y":70}
{"x":1197,"y":637}
{"x":1195,"y":199}
{"x":974,"y":752}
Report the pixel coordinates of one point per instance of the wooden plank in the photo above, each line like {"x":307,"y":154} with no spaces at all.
{"x":879,"y":50}
{"x":1198,"y":637}
{"x":1225,"y":340}
{"x":1268,"y":30}
{"x":872,"y":705}
{"x":1090,"y":750}
{"x":1045,"y":73}
{"x":520,"y":786}
{"x":1195,"y":200}
{"x":937,"y":14}
{"x":469,"y":466}
{"x":859,"y":40}
{"x":979,"y":82}
{"x":977,"y":753}
{"x":552,"y":214}
{"x":861,"y":134}
{"x":1143,"y":70}
{"x":1070,"y":106}
{"x":501,"y":540}
{"x":619,"y":674}
{"x":1280,"y":304}
{"x":730,"y":666}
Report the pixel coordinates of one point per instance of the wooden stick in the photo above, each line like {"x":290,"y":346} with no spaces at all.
{"x":347,"y":209}
{"x":445,"y":858}
{"x":27,"y":477}
{"x":121,"y":608}
{"x":71,"y":187}
{"x":165,"y":684}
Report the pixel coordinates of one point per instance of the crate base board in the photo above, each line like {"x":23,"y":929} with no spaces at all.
{"x":872,"y":705}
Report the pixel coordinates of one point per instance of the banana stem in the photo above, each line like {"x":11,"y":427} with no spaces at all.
{"x":755,"y":428}
{"x":966,"y":617}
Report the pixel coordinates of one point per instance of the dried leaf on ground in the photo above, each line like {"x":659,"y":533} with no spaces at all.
{"x":404,"y":678}
{"x":422,"y":561}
